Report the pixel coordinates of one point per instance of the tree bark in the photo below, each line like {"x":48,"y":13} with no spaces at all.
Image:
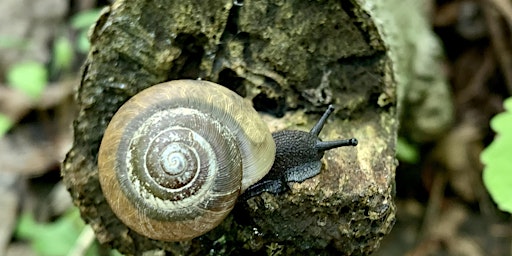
{"x":291,"y":58}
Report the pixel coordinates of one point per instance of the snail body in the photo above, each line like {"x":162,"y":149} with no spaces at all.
{"x":176,"y":157}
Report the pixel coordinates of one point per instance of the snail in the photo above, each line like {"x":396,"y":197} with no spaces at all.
{"x":177,"y":156}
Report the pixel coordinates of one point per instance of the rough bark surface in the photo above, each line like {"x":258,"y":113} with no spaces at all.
{"x":424,"y":100}
{"x":291,"y":58}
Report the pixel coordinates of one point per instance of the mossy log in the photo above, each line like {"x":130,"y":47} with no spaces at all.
{"x":292,"y":59}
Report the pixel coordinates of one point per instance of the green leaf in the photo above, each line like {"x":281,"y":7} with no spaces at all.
{"x":115,"y":253}
{"x":55,"y":238}
{"x":62,"y":54}
{"x":406,"y":151}
{"x":85,"y":19}
{"x":5,"y":124}
{"x":29,"y":77}
{"x":13,"y":43}
{"x":497,"y":158}
{"x":508,"y":104}
{"x":82,"y":43}
{"x":502,"y":122}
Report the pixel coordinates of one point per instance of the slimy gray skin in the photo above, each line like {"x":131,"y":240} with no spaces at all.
{"x":297,"y":158}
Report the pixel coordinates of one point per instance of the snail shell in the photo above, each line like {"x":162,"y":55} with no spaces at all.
{"x":175,"y":157}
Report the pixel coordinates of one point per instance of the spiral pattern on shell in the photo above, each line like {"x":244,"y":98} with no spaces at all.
{"x":175,"y":157}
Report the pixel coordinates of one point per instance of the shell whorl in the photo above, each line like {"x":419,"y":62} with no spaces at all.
{"x":175,"y":157}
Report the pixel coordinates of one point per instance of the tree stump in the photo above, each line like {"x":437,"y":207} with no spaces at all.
{"x":292,"y":59}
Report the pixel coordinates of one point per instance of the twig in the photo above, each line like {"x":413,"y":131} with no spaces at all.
{"x":433,"y":206}
{"x":505,"y":8}
{"x":473,"y":88}
{"x":498,"y":38}
{"x":83,"y":242}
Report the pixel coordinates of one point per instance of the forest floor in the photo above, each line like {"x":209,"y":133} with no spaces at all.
{"x":443,"y":206}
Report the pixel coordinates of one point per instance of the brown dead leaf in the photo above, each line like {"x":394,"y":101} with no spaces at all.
{"x":34,"y":149}
{"x":15,"y":104}
{"x":459,"y":152}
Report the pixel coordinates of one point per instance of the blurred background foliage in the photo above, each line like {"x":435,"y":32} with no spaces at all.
{"x":452,"y":198}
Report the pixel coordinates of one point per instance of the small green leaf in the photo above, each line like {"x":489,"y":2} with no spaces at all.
{"x":508,"y":104}
{"x":85,"y":19}
{"x":5,"y":124}
{"x":13,"y":43}
{"x":497,"y":158}
{"x":56,"y":238}
{"x":82,"y":42}
{"x":29,"y":77}
{"x":62,"y":54}
{"x":115,"y":253}
{"x":502,"y":122}
{"x":406,"y":151}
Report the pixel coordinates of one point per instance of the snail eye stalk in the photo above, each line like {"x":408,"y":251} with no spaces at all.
{"x":326,"y":145}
